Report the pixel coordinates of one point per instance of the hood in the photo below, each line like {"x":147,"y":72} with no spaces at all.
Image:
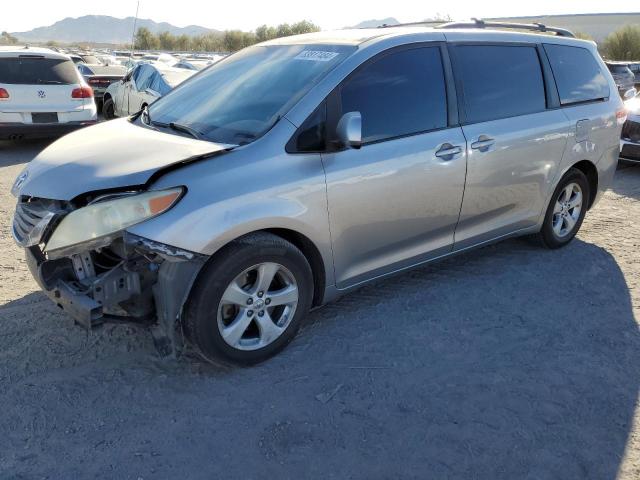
{"x":109,"y":155}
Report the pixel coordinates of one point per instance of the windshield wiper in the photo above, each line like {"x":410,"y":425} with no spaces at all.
{"x":186,"y":129}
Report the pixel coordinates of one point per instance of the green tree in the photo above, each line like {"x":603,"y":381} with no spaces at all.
{"x":264,"y":33}
{"x":304,"y":27}
{"x":583,"y":36}
{"x":623,"y":44}
{"x":183,"y":43}
{"x":7,"y":39}
{"x":167,"y":41}
{"x":145,"y":40}
{"x":233,"y":40}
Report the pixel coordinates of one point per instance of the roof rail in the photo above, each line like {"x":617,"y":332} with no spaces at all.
{"x":537,"y":27}
{"x":413,"y":24}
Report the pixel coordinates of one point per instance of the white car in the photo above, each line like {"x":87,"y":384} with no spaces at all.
{"x":41,"y":94}
{"x":142,"y":86}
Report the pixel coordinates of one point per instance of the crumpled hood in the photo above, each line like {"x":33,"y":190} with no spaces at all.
{"x":109,"y":155}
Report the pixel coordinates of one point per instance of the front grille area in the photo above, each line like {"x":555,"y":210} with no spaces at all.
{"x":631,"y":131}
{"x":31,"y":219}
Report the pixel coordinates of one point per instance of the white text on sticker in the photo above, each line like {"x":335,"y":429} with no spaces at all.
{"x":316,"y":55}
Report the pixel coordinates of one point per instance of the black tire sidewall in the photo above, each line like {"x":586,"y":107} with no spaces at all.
{"x":549,"y":237}
{"x":202,"y":307}
{"x":106,"y":106}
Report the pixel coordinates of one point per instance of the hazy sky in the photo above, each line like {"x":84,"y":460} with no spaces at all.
{"x":247,"y":15}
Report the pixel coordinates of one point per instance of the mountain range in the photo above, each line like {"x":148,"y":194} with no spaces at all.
{"x":111,"y":30}
{"x":102,"y":29}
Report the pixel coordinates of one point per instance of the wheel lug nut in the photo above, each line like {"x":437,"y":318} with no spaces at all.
{"x":261,"y":313}
{"x":249,"y":301}
{"x":267,"y":301}
{"x":250,"y":313}
{"x":260,"y":294}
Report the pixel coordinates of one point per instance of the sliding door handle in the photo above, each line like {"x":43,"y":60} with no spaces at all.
{"x":483,"y":144}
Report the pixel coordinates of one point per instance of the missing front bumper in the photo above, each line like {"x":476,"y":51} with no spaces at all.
{"x":152,"y":280}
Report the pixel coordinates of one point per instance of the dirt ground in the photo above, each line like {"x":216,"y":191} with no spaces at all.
{"x":510,"y":362}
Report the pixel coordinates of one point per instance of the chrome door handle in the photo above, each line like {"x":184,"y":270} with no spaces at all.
{"x":483,"y":144}
{"x":448,"y":151}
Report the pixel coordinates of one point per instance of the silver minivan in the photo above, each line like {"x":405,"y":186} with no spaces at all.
{"x":296,"y":170}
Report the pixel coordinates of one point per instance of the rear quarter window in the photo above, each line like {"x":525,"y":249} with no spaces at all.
{"x":578,"y":75}
{"x":33,"y":70}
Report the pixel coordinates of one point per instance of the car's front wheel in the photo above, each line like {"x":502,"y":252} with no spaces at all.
{"x":566,"y":211}
{"x":250,"y":300}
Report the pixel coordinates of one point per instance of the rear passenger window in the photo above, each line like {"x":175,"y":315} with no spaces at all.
{"x":401,"y":93}
{"x":500,"y":81}
{"x":578,"y":75}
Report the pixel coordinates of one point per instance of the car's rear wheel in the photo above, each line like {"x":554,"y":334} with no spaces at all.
{"x":108,"y":109}
{"x":566,"y":210}
{"x":250,"y":300}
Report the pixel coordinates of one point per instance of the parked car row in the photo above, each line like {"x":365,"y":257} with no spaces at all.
{"x":630,"y":142}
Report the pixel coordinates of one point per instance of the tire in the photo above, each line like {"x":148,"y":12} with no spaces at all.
{"x":227,"y":318}
{"x":562,"y":221}
{"x":108,"y":109}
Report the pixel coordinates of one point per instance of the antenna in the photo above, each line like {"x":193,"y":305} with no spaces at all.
{"x":133,"y":34}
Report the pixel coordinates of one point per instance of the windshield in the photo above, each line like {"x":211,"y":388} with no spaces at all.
{"x":240,"y":98}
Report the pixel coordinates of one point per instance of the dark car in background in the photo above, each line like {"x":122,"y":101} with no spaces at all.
{"x":99,"y":77}
{"x":635,"y":69}
{"x":630,"y":141}
{"x":623,"y":76}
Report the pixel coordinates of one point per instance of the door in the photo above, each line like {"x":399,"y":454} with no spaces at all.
{"x":139,"y":83}
{"x":515,"y":142}
{"x":395,"y":201}
{"x":121,"y":99}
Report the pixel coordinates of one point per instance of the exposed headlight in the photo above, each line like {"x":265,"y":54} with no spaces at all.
{"x":111,"y":216}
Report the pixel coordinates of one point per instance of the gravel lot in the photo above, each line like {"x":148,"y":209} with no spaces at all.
{"x":510,"y":362}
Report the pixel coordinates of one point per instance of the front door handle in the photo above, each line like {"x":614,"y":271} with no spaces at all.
{"x":448,"y":151}
{"x":483,"y":143}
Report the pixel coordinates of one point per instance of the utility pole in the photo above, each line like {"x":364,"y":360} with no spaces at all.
{"x":133,"y":34}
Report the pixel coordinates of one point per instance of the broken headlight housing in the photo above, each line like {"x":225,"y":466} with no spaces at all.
{"x":107,"y":217}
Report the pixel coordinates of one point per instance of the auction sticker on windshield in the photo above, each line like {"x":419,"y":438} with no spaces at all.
{"x":316,"y":55}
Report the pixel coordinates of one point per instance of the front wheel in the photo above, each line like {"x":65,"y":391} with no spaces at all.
{"x":566,"y":211}
{"x":250,"y":300}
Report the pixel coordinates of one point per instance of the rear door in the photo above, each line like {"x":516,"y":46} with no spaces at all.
{"x":515,"y":137}
{"x":37,"y":84}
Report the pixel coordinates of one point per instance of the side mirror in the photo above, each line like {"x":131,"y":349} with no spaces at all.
{"x":629,"y":94}
{"x":349,"y":130}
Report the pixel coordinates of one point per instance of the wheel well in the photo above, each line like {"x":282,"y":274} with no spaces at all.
{"x":591,"y":172}
{"x":309,"y":250}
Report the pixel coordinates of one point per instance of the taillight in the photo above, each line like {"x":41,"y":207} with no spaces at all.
{"x":82,"y":92}
{"x":4,"y":95}
{"x":621,"y":116}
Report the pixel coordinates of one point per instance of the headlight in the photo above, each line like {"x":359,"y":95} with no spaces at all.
{"x":108,"y":217}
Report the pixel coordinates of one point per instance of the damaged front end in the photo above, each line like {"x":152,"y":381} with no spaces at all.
{"x":112,"y":277}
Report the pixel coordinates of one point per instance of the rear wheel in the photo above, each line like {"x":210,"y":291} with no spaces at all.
{"x":108,"y":109}
{"x":250,"y":301}
{"x":566,"y":211}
